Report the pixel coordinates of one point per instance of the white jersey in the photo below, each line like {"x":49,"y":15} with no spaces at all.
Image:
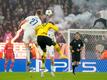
{"x":51,"y":35}
{"x":29,"y":26}
{"x":31,"y":23}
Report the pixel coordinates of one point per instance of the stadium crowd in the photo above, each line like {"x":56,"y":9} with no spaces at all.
{"x":13,"y":11}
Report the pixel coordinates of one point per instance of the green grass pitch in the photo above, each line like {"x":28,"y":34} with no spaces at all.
{"x":58,"y":76}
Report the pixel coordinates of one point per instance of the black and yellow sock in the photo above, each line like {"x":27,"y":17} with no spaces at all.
{"x":43,"y":59}
{"x":58,"y":49}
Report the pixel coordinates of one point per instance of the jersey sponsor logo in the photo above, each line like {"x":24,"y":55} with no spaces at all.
{"x":79,"y":45}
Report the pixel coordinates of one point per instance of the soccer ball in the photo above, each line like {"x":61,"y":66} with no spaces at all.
{"x":48,"y":12}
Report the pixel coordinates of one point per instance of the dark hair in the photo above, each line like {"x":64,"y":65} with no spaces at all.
{"x":39,"y":12}
{"x":77,"y":33}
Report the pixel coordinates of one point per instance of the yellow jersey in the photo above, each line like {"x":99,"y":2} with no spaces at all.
{"x":42,"y":30}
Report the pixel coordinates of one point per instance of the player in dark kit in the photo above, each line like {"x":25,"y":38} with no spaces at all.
{"x":76,"y":46}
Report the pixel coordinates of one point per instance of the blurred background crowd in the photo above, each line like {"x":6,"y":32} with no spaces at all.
{"x":68,"y":13}
{"x":13,"y":11}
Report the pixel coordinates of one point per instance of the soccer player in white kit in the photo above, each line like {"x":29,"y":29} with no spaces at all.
{"x":50,"y":50}
{"x":28,"y":25}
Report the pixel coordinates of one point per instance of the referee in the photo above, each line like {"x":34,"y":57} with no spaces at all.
{"x":76,"y":46}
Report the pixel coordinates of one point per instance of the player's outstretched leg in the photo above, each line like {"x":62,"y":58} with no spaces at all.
{"x":43,"y":64}
{"x":59,"y":51}
{"x":28,"y":59}
{"x":43,"y":60}
{"x":52,"y":67}
{"x":27,"y":56}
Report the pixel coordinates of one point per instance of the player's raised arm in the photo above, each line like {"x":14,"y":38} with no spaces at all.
{"x":53,"y":26}
{"x":22,"y":22}
{"x":17,"y":34}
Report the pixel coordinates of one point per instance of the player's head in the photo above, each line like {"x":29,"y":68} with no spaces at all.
{"x":9,"y":40}
{"x":77,"y":35}
{"x":39,"y":12}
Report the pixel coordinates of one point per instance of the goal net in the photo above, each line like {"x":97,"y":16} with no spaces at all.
{"x":95,"y":42}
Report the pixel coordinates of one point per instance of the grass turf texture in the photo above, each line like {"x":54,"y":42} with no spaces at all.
{"x":58,"y":76}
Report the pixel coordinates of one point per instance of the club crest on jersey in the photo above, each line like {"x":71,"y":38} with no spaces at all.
{"x":79,"y":45}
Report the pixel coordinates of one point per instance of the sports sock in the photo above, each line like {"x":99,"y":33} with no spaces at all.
{"x":73,"y":67}
{"x":28,"y":54}
{"x":5,"y":65}
{"x":12,"y":64}
{"x":52,"y":66}
{"x":58,"y":49}
{"x":43,"y":59}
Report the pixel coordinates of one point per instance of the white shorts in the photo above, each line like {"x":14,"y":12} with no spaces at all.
{"x":50,"y":51}
{"x":29,"y":37}
{"x":29,"y":33}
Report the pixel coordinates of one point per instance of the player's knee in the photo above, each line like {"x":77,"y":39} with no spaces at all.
{"x":12,"y":60}
{"x":54,"y":43}
{"x":57,"y":47}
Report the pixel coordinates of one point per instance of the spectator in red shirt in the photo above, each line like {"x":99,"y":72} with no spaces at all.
{"x":104,"y":55}
{"x":9,"y":55}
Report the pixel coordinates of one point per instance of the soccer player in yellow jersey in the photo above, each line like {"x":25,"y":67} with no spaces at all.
{"x":43,"y":40}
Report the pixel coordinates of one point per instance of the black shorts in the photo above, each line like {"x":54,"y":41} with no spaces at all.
{"x":43,"y":41}
{"x":76,"y":57}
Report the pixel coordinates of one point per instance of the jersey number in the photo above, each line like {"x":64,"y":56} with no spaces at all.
{"x":33,"y":21}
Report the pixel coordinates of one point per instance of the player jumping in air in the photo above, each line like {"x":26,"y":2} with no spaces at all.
{"x":43,"y":40}
{"x":76,"y":46}
{"x":51,"y":34}
{"x":9,"y":55}
{"x":28,"y":25}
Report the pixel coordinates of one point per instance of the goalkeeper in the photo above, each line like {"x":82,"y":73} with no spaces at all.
{"x":43,"y":40}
